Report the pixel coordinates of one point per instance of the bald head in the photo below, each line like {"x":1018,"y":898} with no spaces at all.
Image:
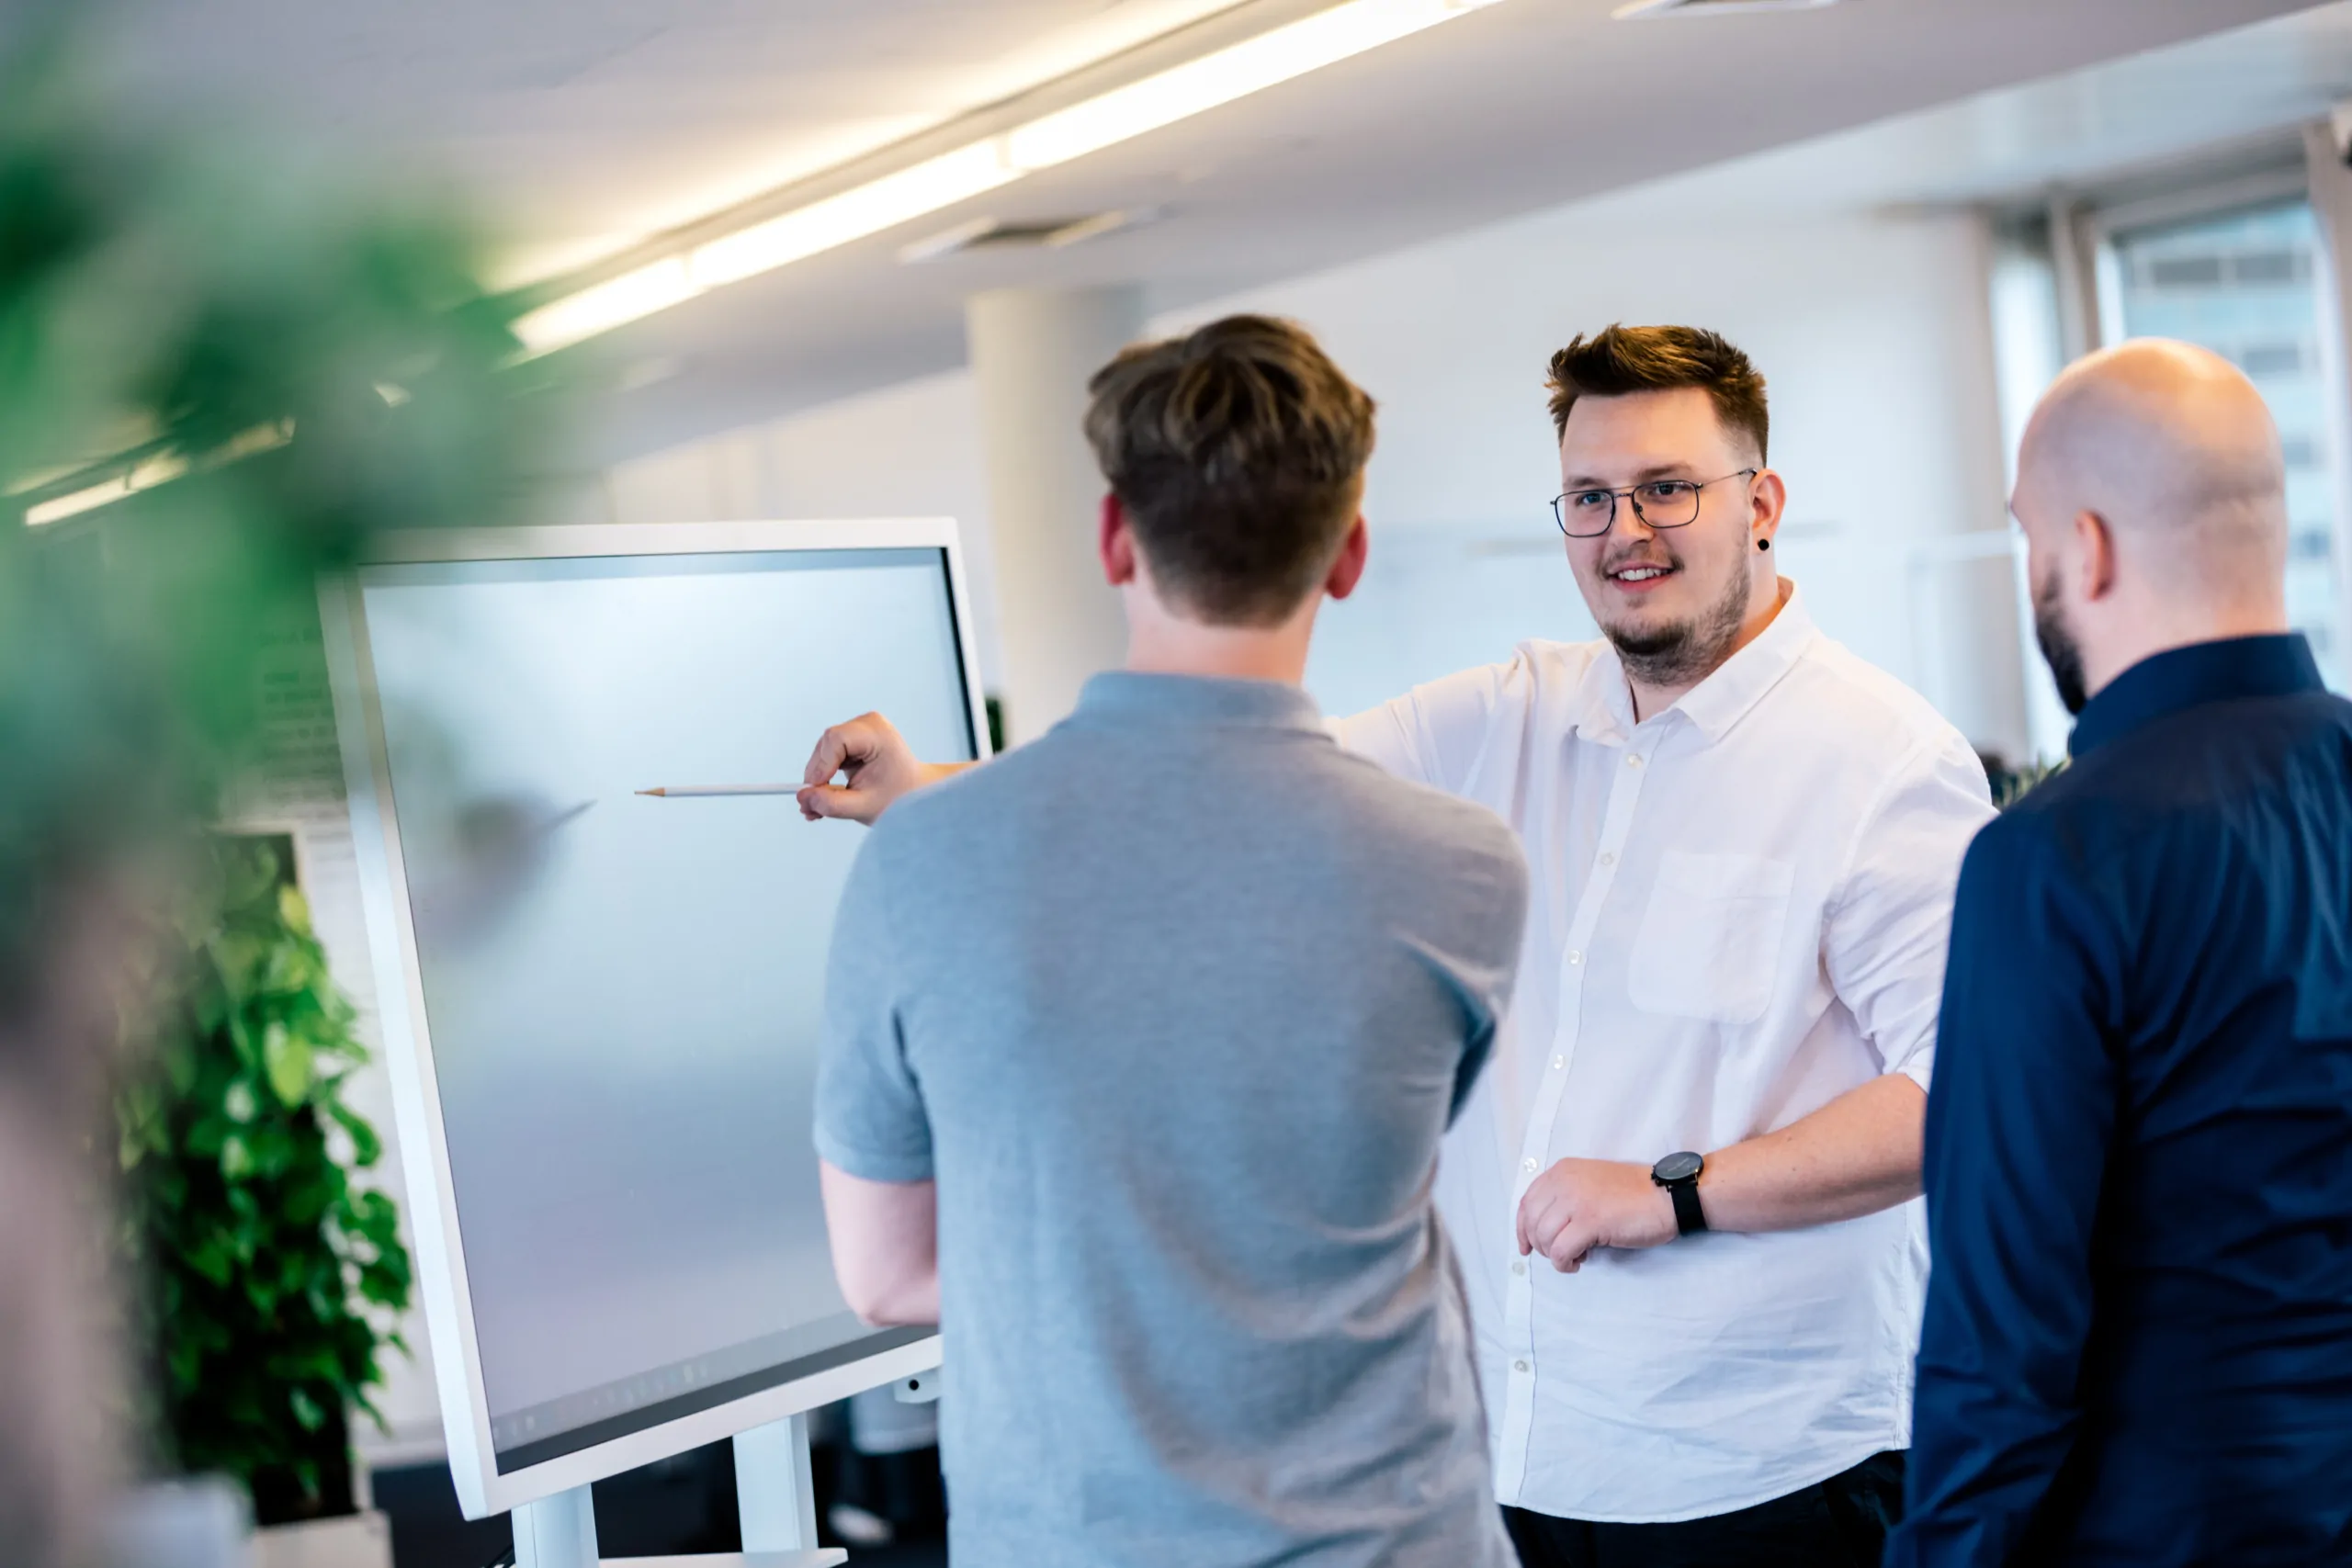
{"x":2173,"y":448}
{"x":2154,"y":499}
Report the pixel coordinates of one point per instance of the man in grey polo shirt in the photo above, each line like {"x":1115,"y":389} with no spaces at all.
{"x":1142,"y":1095}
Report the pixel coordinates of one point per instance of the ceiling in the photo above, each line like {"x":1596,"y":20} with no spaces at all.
{"x":2205,"y":110}
{"x":584,"y":125}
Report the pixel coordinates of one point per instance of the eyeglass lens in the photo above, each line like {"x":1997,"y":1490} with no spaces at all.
{"x":1665,"y":503}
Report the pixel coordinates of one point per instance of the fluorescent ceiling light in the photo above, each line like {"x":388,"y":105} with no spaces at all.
{"x":1185,"y":90}
{"x":868,"y":210}
{"x":59,"y":508}
{"x":1639,"y":10}
{"x":604,"y":305}
{"x":161,"y":468}
{"x":1175,"y":94}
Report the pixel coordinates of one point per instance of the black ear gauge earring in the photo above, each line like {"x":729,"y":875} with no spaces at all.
{"x":1763,"y":544}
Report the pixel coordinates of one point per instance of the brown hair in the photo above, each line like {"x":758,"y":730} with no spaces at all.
{"x":1237,"y":452}
{"x":1622,"y":360}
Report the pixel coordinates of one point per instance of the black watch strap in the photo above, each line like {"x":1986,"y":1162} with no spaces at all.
{"x":1679,"y":1174}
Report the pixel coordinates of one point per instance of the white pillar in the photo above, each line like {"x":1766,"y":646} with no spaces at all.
{"x":1032,"y":352}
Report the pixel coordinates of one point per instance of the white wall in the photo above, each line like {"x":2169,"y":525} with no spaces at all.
{"x":1873,"y":330}
{"x":913,"y":450}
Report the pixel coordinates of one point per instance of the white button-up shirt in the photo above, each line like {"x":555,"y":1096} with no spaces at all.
{"x":1739,"y":913}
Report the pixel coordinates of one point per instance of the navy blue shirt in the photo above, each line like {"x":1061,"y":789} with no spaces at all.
{"x":2138,"y":1344}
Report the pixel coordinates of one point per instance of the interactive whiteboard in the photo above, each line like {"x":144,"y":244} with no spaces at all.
{"x":601,"y":1006}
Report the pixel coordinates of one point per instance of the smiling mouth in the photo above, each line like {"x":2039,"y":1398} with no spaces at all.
{"x":1639,"y":573}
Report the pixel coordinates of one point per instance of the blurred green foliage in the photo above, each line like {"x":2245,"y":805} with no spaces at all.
{"x":165,"y":301}
{"x":2014,"y":785}
{"x":315,"y":362}
{"x":272,"y":1279}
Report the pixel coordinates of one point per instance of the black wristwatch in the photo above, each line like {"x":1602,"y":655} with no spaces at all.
{"x":1679,"y":1174}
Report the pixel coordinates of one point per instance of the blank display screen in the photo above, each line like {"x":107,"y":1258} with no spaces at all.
{"x":623,"y":993}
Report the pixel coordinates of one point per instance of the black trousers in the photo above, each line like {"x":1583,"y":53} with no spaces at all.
{"x":1840,"y":1523}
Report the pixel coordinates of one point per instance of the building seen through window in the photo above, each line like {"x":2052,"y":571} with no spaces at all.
{"x":2246,"y":285}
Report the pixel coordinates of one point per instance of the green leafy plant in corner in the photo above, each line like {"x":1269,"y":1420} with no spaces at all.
{"x":271,"y":1276}
{"x":2014,"y":786}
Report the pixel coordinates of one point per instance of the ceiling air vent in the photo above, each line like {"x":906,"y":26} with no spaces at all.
{"x":1001,"y":234}
{"x":1645,"y":10}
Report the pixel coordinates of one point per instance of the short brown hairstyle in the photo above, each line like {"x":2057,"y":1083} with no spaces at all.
{"x":1237,"y":452}
{"x":1623,"y":359}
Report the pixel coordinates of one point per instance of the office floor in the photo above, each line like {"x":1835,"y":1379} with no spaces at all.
{"x":682,"y":1506}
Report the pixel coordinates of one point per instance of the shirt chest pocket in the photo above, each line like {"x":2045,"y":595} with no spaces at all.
{"x":1710,"y":936}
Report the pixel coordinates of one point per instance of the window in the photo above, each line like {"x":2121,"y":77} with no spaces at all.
{"x":2245,"y":285}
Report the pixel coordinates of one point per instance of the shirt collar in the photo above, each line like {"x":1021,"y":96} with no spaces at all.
{"x":1604,"y":702}
{"x":1124,"y":697}
{"x":2201,"y":672}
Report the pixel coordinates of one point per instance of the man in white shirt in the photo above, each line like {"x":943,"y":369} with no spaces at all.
{"x":1683,"y":1192}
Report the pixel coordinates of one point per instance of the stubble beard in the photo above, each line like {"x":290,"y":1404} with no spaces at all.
{"x":2060,"y":649}
{"x":1683,"y":653}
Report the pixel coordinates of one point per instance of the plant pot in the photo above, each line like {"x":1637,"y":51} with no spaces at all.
{"x":355,"y":1541}
{"x":279,"y":1497}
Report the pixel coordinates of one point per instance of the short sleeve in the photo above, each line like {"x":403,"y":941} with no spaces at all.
{"x":1433,"y":734}
{"x":1890,"y":921}
{"x":870,"y":1116}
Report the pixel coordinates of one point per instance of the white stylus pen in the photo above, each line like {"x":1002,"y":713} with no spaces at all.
{"x":673,"y":791}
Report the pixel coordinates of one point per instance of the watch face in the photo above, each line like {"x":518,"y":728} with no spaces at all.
{"x":1677,"y":1168}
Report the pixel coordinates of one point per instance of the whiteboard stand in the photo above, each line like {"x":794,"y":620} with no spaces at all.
{"x":776,"y":1492}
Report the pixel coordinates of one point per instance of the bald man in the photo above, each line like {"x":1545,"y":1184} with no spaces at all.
{"x":2138,"y":1345}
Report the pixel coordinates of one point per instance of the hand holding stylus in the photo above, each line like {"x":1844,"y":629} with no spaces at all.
{"x":876,"y":767}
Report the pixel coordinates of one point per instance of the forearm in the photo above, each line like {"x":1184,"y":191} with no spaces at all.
{"x":884,"y":1237}
{"x":912,"y":1301}
{"x":1856,"y":1156}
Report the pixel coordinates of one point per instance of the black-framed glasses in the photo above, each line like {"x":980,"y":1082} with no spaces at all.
{"x":1659,"y":503}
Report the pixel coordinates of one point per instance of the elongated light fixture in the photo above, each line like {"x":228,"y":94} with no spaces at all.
{"x":161,"y":468}
{"x":1117,"y":115}
{"x":1109,"y":117}
{"x":1251,"y":66}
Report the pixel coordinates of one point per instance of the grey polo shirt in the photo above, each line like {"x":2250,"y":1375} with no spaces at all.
{"x":1175,"y":1004}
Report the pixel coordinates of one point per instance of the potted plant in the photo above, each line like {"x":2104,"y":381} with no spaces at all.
{"x":223,"y":369}
{"x":271,"y":1274}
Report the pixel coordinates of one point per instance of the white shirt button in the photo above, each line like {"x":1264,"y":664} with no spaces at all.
{"x":1574,"y":957}
{"x":1519,"y":1265}
{"x":1518,"y":1366}
{"x":1634,"y":760}
{"x":1527,"y":1165}
{"x":1558,"y":1062}
{"x":1608,"y":859}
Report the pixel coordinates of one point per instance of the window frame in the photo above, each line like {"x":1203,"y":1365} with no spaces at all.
{"x":2085,"y":231}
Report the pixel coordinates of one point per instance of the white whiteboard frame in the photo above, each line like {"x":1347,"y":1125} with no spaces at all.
{"x":482,"y":1489}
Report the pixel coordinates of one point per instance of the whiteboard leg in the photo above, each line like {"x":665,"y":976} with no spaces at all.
{"x":558,"y":1531}
{"x":775,"y":1491}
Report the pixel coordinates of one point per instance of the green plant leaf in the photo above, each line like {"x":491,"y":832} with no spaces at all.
{"x":287,"y":1057}
{"x":366,"y":1147}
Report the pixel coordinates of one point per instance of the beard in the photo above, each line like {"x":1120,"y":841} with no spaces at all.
{"x":2060,"y":650}
{"x":1682,"y":653}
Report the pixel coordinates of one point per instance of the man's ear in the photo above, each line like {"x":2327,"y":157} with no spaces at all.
{"x":1116,"y":543}
{"x":2095,"y":556}
{"x":1348,"y":570}
{"x":1771,"y":500}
